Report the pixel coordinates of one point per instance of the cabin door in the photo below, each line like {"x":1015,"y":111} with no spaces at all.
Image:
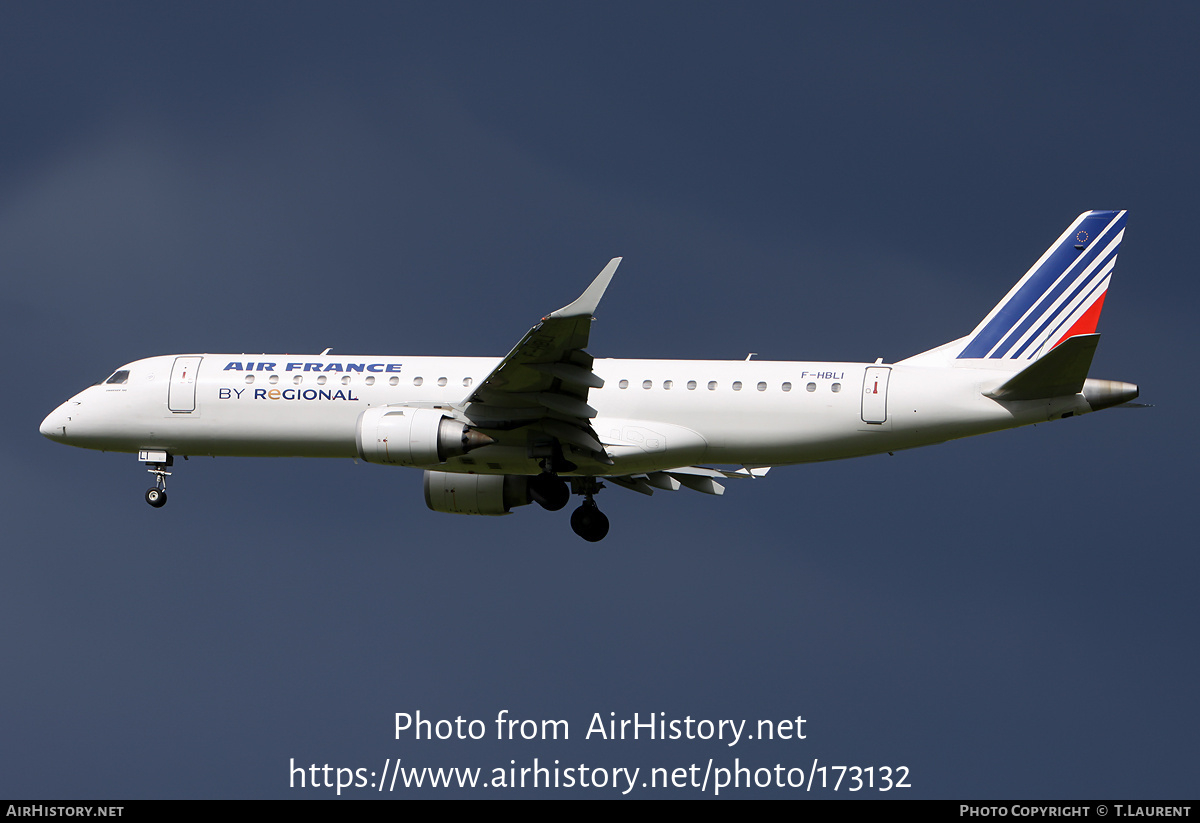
{"x":182,"y":395}
{"x":874,"y":398}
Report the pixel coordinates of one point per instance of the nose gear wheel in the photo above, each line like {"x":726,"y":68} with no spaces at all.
{"x":157,"y":495}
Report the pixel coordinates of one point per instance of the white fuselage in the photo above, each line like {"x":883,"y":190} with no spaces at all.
{"x":652,"y":414}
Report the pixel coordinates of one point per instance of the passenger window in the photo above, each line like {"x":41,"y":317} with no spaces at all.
{"x":647,"y":384}
{"x":441,"y":381}
{"x":691,"y":385}
{"x":811,"y":387}
{"x":298,"y":379}
{"x":762,"y":386}
{"x":837,"y":387}
{"x":667,"y":384}
{"x":466,"y":382}
{"x":624,"y":384}
{"x":787,"y":387}
{"x":118,"y":377}
{"x":737,"y":385}
{"x":345,"y":380}
{"x":712,"y":385}
{"x":321,"y":380}
{"x":249,"y":378}
{"x":418,"y":381}
{"x":370,"y":381}
{"x":273,"y":379}
{"x":393,"y":381}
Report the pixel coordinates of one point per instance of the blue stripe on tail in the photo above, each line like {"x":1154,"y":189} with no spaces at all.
{"x":1031,"y":303}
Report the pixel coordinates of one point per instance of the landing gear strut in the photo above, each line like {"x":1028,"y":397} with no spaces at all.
{"x":588,"y":521}
{"x":157,"y":463}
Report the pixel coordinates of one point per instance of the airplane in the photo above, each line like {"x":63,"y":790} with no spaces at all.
{"x":548,"y":420}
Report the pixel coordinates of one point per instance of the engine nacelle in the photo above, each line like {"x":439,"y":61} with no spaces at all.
{"x":454,"y":493}
{"x":404,"y":436}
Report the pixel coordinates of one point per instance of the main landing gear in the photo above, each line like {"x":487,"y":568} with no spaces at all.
{"x":588,"y":521}
{"x":547,"y":489}
{"x":157,"y":463}
{"x":551,"y":492}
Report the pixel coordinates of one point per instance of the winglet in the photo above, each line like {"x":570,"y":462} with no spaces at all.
{"x":585,"y":304}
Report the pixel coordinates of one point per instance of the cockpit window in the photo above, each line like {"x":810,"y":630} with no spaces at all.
{"x":118,"y":377}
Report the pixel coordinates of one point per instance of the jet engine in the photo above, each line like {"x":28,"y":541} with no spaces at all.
{"x":404,"y":436}
{"x":475,"y":493}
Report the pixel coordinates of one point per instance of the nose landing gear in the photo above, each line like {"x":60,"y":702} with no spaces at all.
{"x":157,"y":463}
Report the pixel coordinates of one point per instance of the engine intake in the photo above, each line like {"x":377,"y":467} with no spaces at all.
{"x":403,"y":436}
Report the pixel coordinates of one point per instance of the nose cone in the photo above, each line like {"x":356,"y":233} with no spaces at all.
{"x":55,"y":424}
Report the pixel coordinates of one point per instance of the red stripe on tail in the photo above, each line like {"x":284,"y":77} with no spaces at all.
{"x":1088,"y":322}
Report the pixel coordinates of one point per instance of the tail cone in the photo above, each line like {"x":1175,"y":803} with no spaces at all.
{"x":1102,"y":394}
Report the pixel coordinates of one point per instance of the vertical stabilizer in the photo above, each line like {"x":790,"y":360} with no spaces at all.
{"x":1059,"y":297}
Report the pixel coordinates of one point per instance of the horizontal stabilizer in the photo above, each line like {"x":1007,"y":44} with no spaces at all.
{"x":1059,"y":373}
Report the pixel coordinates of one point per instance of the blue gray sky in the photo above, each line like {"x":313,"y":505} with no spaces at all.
{"x":1008,"y":616}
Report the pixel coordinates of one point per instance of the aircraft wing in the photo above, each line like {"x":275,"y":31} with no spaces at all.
{"x":540,"y":389}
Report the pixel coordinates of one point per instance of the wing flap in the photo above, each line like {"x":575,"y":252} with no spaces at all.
{"x":704,"y":485}
{"x":634,"y":484}
{"x":664,"y":481}
{"x":572,"y":434}
{"x":697,"y":478}
{"x":570,"y":373}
